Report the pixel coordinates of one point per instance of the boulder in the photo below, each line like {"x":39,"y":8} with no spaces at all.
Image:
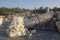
{"x":1,"y":19}
{"x":45,"y":17}
{"x":16,"y":27}
{"x":41,"y":18}
{"x":30,"y":22}
{"x":58,"y":25}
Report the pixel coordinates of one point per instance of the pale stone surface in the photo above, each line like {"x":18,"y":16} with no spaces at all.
{"x":45,"y":17}
{"x":1,"y":19}
{"x":31,"y":22}
{"x":58,"y":25}
{"x":16,"y":28}
{"x":58,"y":12}
{"x":42,"y":18}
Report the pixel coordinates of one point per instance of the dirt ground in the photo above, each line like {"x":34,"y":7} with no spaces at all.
{"x":39,"y":35}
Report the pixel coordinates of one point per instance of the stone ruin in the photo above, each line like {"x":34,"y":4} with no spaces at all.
{"x":41,"y":18}
{"x":17,"y":24}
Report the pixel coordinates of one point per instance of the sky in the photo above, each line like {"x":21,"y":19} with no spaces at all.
{"x":29,"y":4}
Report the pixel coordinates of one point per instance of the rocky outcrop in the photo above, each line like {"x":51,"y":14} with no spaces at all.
{"x":16,"y":27}
{"x":45,"y":17}
{"x":1,"y":19}
{"x":30,"y":22}
{"x":58,"y":25}
{"x":41,"y":18}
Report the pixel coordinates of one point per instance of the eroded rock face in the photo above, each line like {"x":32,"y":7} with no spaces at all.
{"x":16,"y":28}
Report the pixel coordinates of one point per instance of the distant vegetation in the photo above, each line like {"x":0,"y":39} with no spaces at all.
{"x":11,"y":11}
{"x":7,"y":11}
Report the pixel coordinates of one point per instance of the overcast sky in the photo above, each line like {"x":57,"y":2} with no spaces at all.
{"x":30,"y":4}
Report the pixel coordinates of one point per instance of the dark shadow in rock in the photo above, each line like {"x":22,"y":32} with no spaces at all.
{"x":3,"y":33}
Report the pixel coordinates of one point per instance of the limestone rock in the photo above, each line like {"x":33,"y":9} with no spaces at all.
{"x":58,"y":25}
{"x":1,"y":19}
{"x":45,"y":17}
{"x":31,"y":22}
{"x":42,"y":18}
{"x":16,"y":28}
